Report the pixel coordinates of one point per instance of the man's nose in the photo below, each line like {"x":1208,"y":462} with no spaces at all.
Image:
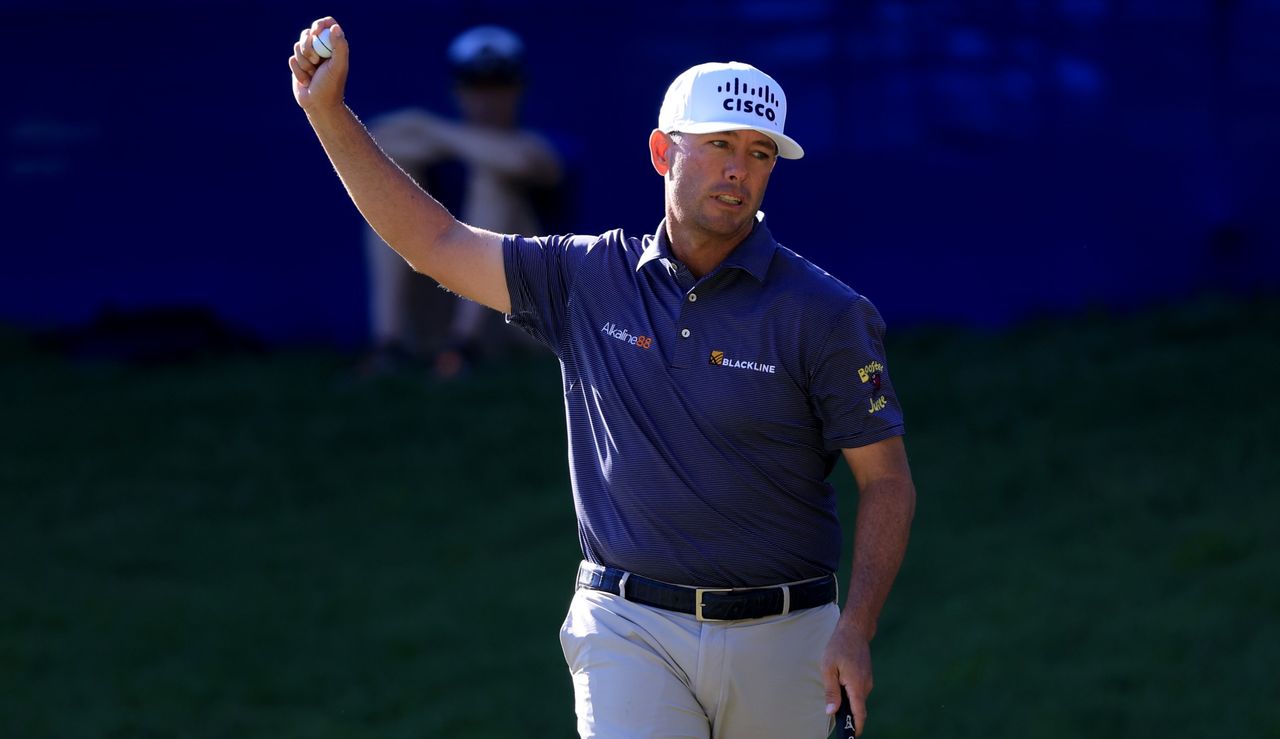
{"x":735,"y":169}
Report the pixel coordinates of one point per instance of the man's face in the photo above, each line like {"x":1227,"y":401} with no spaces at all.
{"x":491,"y":105}
{"x":717,"y":180}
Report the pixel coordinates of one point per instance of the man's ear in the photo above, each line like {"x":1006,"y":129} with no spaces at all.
{"x":660,"y":151}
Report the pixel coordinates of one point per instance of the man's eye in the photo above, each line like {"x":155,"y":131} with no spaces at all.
{"x":761,"y":155}
{"x":719,"y":143}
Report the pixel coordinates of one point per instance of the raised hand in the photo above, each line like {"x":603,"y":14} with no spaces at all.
{"x":319,"y":82}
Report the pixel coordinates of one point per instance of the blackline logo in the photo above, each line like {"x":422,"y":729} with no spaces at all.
{"x":720,"y":360}
{"x":623,"y":335}
{"x":750,"y":106}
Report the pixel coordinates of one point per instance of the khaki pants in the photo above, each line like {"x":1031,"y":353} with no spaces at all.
{"x":642,"y":672}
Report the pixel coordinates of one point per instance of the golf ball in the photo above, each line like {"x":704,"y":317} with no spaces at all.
{"x":322,"y":44}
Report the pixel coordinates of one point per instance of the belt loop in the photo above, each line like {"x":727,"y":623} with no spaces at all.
{"x":622,"y":585}
{"x":786,"y":599}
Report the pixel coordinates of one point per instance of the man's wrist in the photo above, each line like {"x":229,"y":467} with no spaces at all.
{"x":855,"y":624}
{"x":321,"y":114}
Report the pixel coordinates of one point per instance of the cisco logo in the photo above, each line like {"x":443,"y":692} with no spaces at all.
{"x":763,"y":107}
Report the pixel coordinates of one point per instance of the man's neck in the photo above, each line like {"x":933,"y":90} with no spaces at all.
{"x":699,"y":250}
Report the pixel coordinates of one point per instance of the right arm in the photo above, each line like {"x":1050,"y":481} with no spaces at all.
{"x":465,"y":259}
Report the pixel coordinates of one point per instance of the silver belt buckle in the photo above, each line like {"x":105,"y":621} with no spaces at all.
{"x":697,"y":602}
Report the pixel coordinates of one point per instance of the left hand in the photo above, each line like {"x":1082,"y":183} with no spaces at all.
{"x":847,"y":663}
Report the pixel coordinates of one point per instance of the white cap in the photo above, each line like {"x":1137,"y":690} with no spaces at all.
{"x":732,"y":96}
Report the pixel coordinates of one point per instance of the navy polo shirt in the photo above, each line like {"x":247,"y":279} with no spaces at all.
{"x":704,"y":415}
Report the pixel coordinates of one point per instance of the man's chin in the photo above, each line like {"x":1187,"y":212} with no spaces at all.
{"x":729,"y":223}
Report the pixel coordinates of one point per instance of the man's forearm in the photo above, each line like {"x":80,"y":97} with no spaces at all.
{"x":885,"y":510}
{"x":513,"y":154}
{"x":403,"y":215}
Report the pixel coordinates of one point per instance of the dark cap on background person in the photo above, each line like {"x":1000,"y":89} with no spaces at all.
{"x":487,"y":55}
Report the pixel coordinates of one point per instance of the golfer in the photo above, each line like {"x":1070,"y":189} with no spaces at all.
{"x":712,"y":380}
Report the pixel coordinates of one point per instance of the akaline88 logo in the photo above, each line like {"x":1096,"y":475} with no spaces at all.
{"x":621,"y":334}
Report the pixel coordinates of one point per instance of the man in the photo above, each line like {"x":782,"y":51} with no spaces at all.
{"x":712,"y":378}
{"x":495,"y":174}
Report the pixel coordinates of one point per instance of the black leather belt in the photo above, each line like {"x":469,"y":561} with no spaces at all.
{"x":710,"y":604}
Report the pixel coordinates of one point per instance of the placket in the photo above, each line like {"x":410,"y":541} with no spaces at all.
{"x":693,"y":320}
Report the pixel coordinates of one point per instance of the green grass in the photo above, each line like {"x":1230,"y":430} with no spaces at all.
{"x":260,"y":547}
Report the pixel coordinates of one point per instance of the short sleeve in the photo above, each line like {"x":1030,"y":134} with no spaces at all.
{"x":851,"y":391}
{"x":540,"y":274}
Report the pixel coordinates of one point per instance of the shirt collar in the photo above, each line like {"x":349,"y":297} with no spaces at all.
{"x":753,"y":255}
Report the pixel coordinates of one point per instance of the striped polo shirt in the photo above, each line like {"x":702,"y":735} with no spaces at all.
{"x":704,"y":415}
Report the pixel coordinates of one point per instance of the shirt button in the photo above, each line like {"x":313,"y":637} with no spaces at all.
{"x":693,"y":297}
{"x":684,"y":332}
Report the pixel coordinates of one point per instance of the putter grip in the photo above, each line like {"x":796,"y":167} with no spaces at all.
{"x":844,"y":718}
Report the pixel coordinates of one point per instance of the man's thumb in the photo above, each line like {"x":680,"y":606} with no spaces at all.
{"x":339,"y":40}
{"x":831,"y":691}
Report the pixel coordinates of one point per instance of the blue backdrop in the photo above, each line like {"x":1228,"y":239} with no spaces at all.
{"x":967,"y":162}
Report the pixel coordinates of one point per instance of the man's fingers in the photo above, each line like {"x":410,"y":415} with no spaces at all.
{"x":858,"y":707}
{"x":304,"y":62}
{"x":319,"y":81}
{"x":321,"y":24}
{"x":831,"y":689}
{"x":306,"y":48}
{"x":303,"y":77}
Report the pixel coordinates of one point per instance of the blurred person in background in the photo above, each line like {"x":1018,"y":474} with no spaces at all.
{"x":486,"y":169}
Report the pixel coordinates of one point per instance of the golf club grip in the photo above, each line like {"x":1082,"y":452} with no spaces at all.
{"x":844,"y":718}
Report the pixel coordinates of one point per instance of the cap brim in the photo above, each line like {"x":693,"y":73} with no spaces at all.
{"x":787,"y":146}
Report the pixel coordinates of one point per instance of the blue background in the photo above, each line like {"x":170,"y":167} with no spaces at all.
{"x":971,"y":163}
